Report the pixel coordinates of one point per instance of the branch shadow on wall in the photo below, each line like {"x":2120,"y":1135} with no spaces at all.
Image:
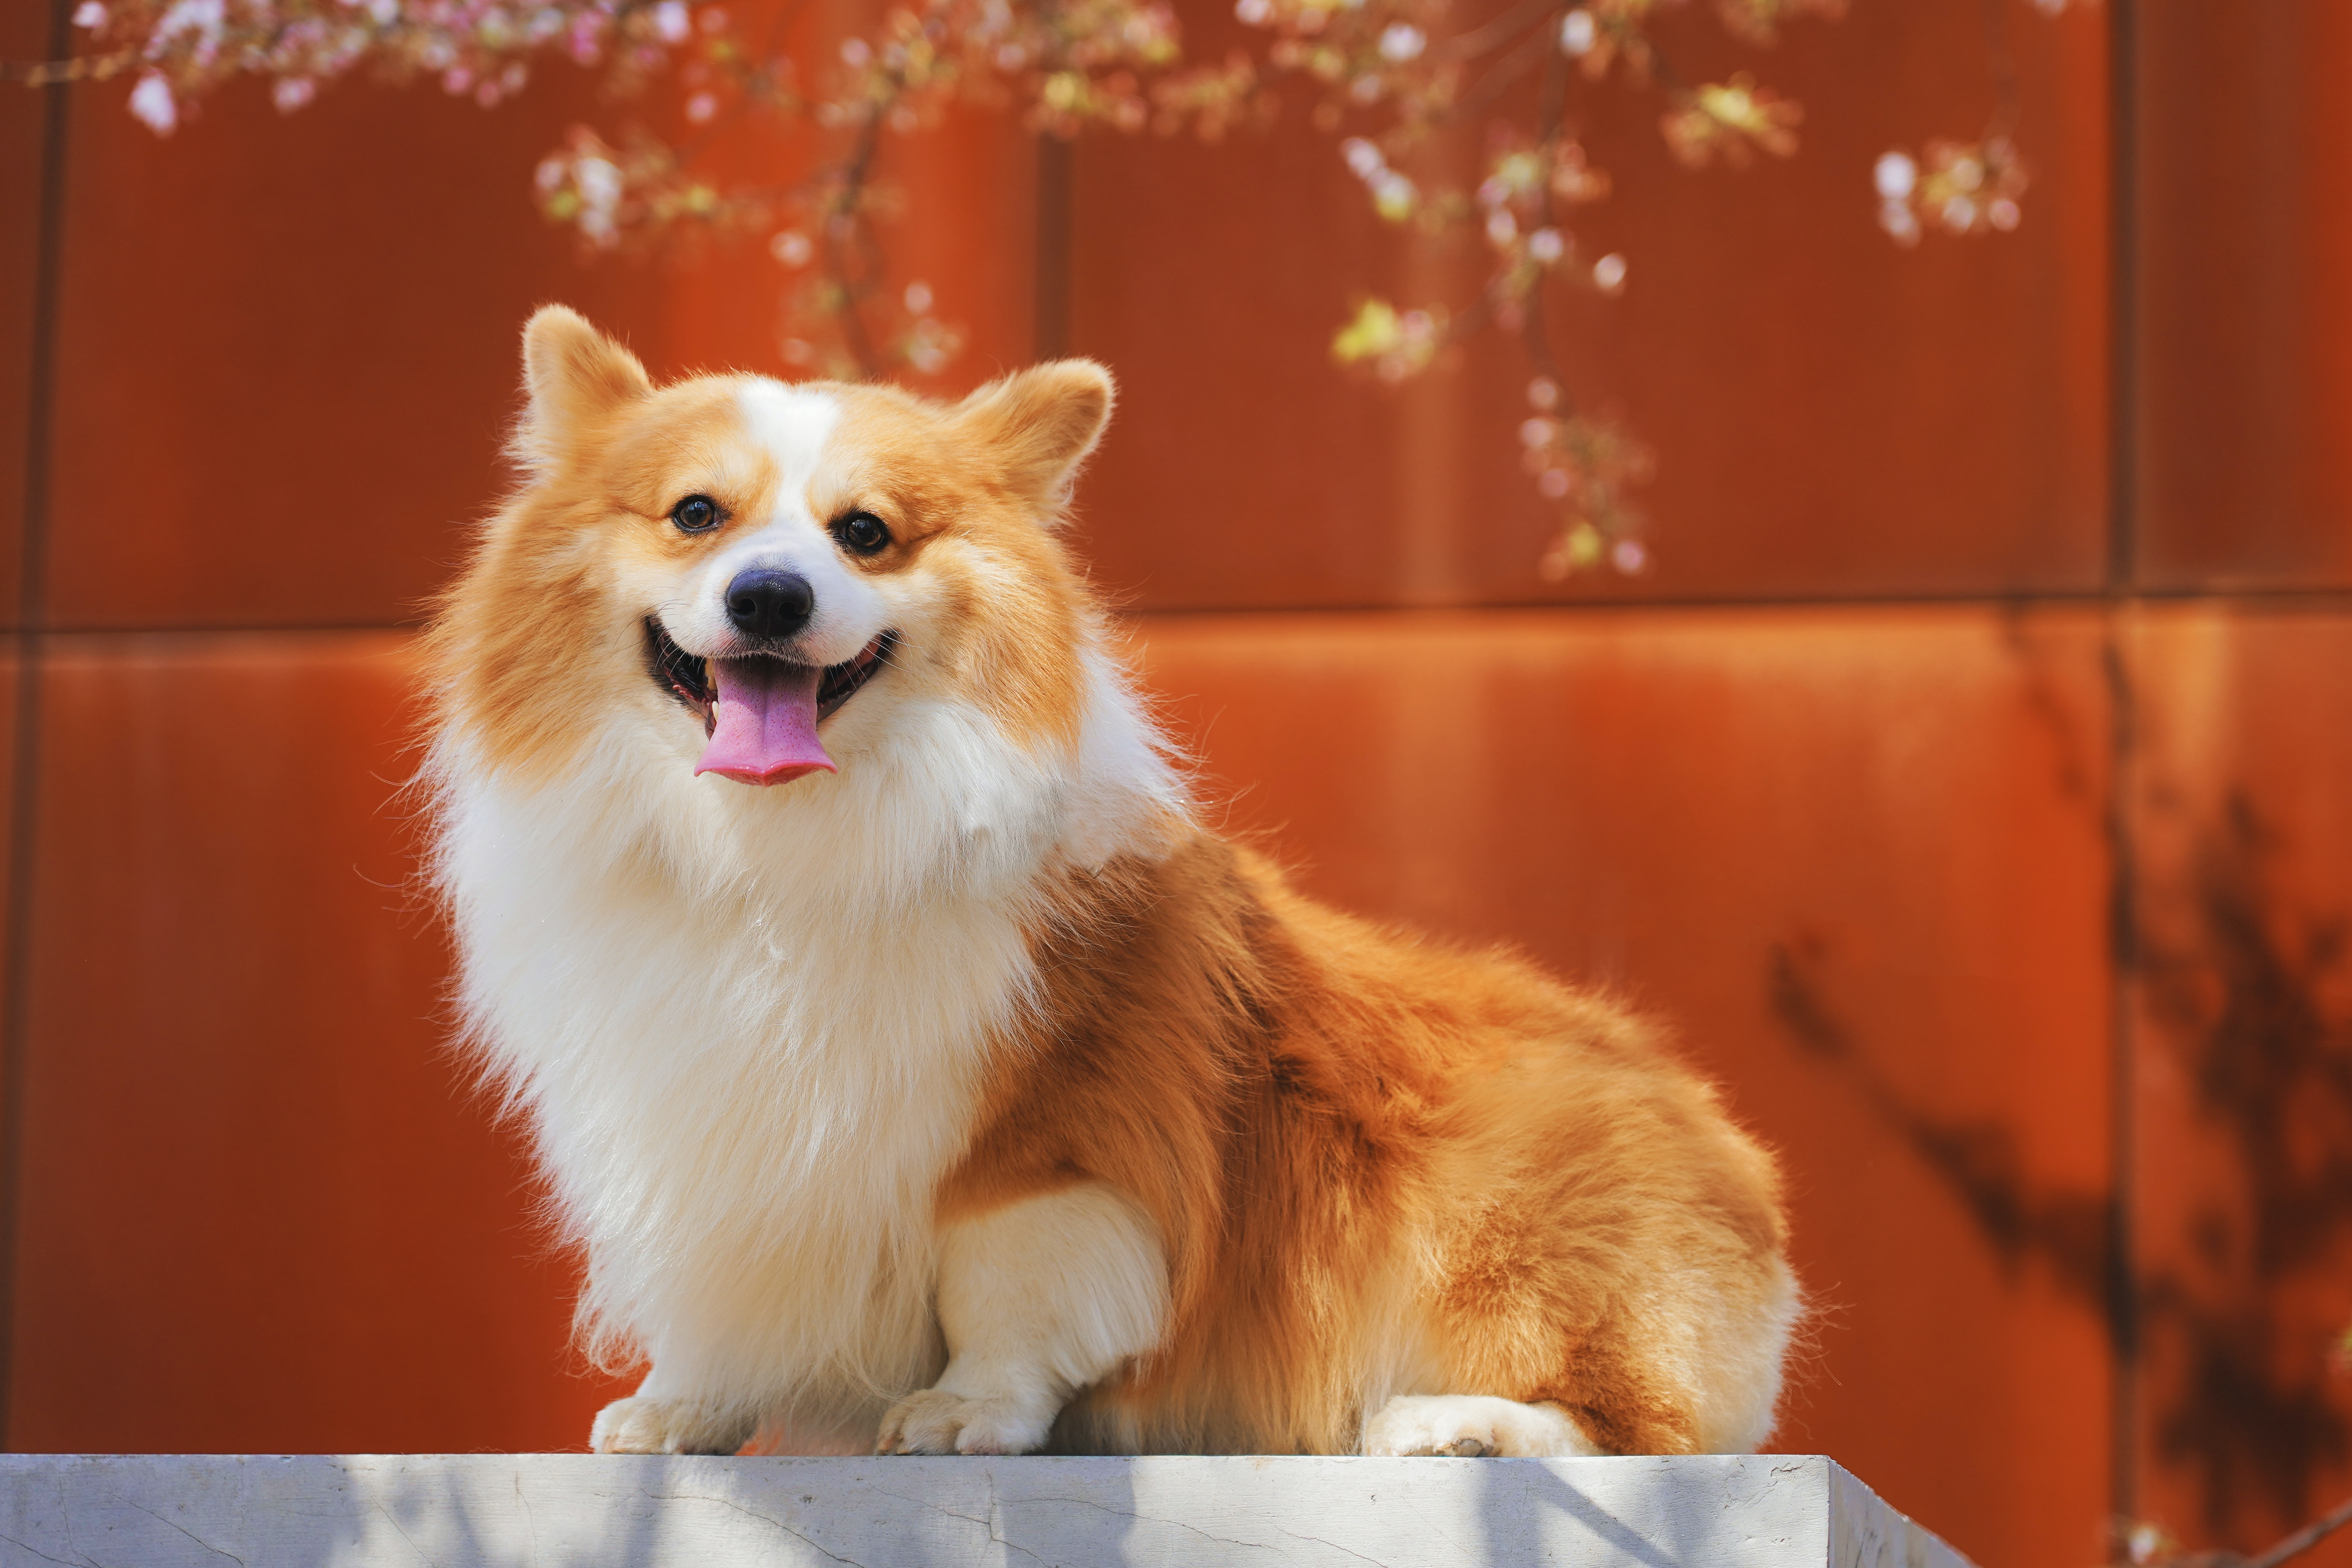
{"x":2241,"y":1390}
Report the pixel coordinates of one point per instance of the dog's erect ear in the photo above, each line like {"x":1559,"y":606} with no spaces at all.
{"x":1040,"y":423}
{"x":574,"y":374}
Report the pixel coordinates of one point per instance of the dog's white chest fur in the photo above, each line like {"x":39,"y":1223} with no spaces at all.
{"x":748,"y":1026}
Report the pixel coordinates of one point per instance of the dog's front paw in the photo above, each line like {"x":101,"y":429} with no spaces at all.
{"x":639,"y":1424}
{"x":1472,"y":1426}
{"x":938,"y":1422}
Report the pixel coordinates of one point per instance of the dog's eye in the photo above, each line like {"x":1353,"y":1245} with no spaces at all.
{"x":862,"y":534}
{"x":696,"y":514}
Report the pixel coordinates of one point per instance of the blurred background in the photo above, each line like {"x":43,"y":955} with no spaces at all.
{"x":1968,"y":777}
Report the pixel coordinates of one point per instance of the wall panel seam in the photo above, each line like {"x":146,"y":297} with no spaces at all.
{"x":2125,"y":596}
{"x":32,"y":595}
{"x":2258,"y":600}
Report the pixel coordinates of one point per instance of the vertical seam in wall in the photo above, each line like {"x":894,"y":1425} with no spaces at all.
{"x":32,"y":610}
{"x":1055,"y":156}
{"x":2122,"y":1284}
{"x":2123,"y":308}
{"x":2123,"y":741}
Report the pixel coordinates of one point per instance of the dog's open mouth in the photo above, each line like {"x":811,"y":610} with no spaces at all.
{"x":761,"y":712}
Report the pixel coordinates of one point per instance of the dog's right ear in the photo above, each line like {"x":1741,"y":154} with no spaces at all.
{"x":574,"y":375}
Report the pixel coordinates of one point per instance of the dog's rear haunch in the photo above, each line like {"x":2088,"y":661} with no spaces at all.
{"x":915,"y":1071}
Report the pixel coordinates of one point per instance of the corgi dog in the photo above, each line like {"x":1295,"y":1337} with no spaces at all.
{"x":913,"y":1069}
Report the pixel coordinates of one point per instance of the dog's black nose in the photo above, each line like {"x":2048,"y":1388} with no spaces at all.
{"x":769,"y":604}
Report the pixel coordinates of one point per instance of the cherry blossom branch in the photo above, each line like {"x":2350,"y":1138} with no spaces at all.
{"x":2149,"y":1545}
{"x":1387,"y":76}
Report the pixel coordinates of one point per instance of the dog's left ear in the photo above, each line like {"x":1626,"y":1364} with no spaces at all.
{"x":1040,"y":423}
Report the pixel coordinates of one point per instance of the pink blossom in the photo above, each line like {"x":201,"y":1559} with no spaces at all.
{"x":152,"y":101}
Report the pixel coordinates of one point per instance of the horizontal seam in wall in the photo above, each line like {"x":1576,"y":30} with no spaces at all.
{"x":2086,"y":598}
{"x":2244,"y":598}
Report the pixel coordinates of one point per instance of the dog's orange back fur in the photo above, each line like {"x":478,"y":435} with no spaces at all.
{"x":1360,"y":1143}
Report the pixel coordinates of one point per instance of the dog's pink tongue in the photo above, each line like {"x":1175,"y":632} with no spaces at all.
{"x":764,"y":730}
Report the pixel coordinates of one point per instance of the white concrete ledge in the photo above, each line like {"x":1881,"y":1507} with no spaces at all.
{"x":550,"y":1511}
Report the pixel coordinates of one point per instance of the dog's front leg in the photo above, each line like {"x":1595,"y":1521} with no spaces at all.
{"x":659,"y":1419}
{"x":1038,"y":1299}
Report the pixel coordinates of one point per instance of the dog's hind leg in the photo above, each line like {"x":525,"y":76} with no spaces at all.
{"x":1610,"y":1388}
{"x":1474,"y":1426}
{"x":1038,"y":1299}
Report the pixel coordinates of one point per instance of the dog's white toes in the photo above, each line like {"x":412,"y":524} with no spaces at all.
{"x":938,"y":1422}
{"x":1472,"y":1426}
{"x":642,"y":1426}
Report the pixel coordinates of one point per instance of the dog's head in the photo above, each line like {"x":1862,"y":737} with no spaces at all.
{"x":762,"y":574}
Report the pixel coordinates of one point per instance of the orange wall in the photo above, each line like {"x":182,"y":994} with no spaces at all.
{"x":1845,"y":788}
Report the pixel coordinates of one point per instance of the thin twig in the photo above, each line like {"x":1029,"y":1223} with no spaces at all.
{"x":846,"y":209}
{"x":2309,"y":1536}
{"x":1479,"y":39}
{"x":80,"y":67}
{"x":1504,"y":71}
{"x":2007,"y":106}
{"x":2293,"y":1545}
{"x":1551,"y":125}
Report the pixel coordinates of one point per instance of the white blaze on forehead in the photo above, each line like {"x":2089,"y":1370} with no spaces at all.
{"x":794,"y":424}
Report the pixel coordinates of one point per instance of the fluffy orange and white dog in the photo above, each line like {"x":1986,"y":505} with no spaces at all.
{"x":914,"y":1069}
